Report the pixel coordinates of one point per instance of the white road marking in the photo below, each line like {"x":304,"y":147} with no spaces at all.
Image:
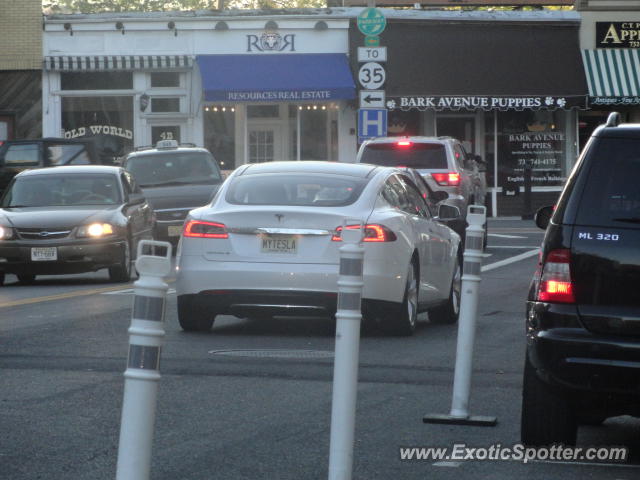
{"x":509,"y":260}
{"x":129,"y":291}
{"x":447,"y":464}
{"x":500,"y":235}
{"x":512,"y":246}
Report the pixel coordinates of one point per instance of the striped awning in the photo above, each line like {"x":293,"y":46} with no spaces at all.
{"x":613,"y":75}
{"x":117,"y":62}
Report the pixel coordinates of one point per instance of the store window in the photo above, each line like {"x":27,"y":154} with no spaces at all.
{"x":165,"y":79}
{"x":531,"y":138}
{"x":96,"y":80}
{"x":165,"y":132}
{"x":219,"y":135}
{"x":165,"y":105}
{"x":318,"y":132}
{"x":108,"y":120}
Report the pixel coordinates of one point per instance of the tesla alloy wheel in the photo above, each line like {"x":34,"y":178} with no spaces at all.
{"x":450,"y":311}
{"x":403,"y":322}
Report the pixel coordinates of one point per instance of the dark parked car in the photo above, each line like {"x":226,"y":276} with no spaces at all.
{"x":583,"y":312}
{"x":19,"y":155}
{"x":72,"y":219}
{"x":175,"y":179}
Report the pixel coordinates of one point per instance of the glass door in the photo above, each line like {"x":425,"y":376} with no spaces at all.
{"x":265,"y":143}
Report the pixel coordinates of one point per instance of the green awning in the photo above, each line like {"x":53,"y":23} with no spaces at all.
{"x":613,"y":75}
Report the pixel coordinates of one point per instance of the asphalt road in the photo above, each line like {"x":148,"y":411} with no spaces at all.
{"x":252,"y":399}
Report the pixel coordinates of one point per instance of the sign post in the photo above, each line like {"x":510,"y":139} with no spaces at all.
{"x":372,"y":116}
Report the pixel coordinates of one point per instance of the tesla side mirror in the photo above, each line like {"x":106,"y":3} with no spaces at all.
{"x":482,"y":165}
{"x":543,"y":216}
{"x":448,"y":212}
{"x":135,"y":198}
{"x":439,"y":195}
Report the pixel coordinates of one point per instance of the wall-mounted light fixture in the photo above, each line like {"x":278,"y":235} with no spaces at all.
{"x":271,"y":25}
{"x":172,"y":26}
{"x":67,"y":27}
{"x":321,"y":25}
{"x":221,"y":26}
{"x":120,"y":26}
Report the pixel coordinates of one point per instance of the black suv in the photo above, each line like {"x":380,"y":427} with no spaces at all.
{"x":583,"y":312}
{"x":175,"y":178}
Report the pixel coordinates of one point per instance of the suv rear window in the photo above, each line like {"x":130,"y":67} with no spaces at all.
{"x":415,"y":155}
{"x":176,"y":168}
{"x":611,"y":196}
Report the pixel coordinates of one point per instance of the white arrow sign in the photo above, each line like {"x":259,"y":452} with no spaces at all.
{"x":371,"y":75}
{"x":372,"y":98}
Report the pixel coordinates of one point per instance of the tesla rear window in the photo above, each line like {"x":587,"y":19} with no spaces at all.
{"x":290,"y":189}
{"x":612,"y":196}
{"x":415,"y":155}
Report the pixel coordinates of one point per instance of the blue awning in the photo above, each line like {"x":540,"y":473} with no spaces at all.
{"x":276,"y":77}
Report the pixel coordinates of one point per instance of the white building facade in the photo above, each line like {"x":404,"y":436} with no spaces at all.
{"x":249,"y":88}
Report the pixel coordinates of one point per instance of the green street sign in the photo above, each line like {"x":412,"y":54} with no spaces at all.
{"x":371,"y":21}
{"x":370,"y":41}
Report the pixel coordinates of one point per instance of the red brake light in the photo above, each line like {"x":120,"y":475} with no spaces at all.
{"x":450,"y":178}
{"x":404,"y":143}
{"x":197,"y":228}
{"x":555,"y":278}
{"x":372,"y":233}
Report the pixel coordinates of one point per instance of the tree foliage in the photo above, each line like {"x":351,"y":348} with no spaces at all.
{"x":96,"y":6}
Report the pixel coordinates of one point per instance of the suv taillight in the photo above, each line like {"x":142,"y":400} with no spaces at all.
{"x":447,"y":179}
{"x":555,"y":278}
{"x":199,"y":229}
{"x":372,"y":233}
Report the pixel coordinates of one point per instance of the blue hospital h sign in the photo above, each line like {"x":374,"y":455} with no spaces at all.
{"x":372,"y":122}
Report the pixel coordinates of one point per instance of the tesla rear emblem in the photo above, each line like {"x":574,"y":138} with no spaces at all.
{"x":279,"y":216}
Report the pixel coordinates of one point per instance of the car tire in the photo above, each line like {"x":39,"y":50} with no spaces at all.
{"x":450,"y":311}
{"x":122,"y":272}
{"x":2,"y":275}
{"x":26,"y":278}
{"x":401,"y":321}
{"x":547,"y":415}
{"x":192,"y":317}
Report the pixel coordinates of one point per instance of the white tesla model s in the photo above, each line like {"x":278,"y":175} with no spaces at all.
{"x":268,"y":244}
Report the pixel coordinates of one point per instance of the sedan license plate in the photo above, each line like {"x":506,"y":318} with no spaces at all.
{"x":279,"y":244}
{"x":174,"y":230}
{"x":44,"y":254}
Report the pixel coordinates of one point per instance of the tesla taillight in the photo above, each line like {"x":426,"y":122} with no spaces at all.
{"x":372,"y":233}
{"x":555,"y":278}
{"x":197,"y":228}
{"x":447,"y":179}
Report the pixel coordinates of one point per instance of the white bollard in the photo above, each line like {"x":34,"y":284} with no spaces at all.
{"x":472,"y":265}
{"x":345,"y":366}
{"x":146,"y":335}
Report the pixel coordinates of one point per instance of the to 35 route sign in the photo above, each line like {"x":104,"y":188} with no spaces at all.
{"x":371,"y":75}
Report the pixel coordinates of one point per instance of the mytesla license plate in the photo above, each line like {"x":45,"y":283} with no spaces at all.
{"x":174,"y":230}
{"x":279,"y":244}
{"x":43,"y":254}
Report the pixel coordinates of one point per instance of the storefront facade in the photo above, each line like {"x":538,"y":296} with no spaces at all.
{"x":247,"y":88}
{"x":610,"y":47}
{"x":507,"y":84}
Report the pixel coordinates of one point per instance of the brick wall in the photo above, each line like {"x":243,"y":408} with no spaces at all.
{"x":21,"y":34}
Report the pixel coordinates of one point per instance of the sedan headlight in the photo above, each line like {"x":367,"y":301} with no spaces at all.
{"x":95,"y":230}
{"x":6,"y":233}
